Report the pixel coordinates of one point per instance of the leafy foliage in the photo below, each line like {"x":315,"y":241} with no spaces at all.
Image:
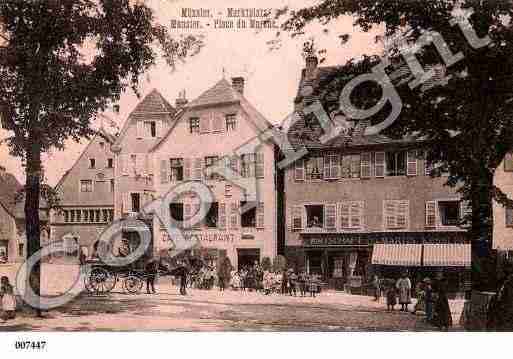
{"x":266,"y":264}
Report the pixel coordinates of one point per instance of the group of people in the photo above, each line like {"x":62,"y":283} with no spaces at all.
{"x":431,"y":298}
{"x":7,"y":300}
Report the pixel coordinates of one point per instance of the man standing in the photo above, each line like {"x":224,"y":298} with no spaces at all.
{"x":403,"y":285}
{"x":151,"y":274}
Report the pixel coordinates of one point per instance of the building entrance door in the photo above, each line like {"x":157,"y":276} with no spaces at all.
{"x":247,"y":257}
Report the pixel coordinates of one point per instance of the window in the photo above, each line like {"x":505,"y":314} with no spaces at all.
{"x":176,"y":169}
{"x":248,"y":218}
{"x":112,"y":184}
{"x":297,"y":218}
{"x":227,"y":190}
{"x":350,"y":166}
{"x":92,"y":163}
{"x":150,"y":129}
{"x":212,"y":216}
{"x":111,"y":215}
{"x":315,"y":216}
{"x":351,"y":214}
{"x":91,"y":216}
{"x":396,"y":214}
{"x":299,"y":170}
{"x":4,"y":246}
{"x":86,"y":215}
{"x":78,"y":215}
{"x":331,"y":167}
{"x":395,"y":163}
{"x":209,"y":162}
{"x":508,"y":162}
{"x":231,"y":122}
{"x":194,"y":125}
{"x":176,"y":212}
{"x":248,"y":165}
{"x":136,"y":202}
{"x":66,"y":216}
{"x":509,"y":216}
{"x":86,"y":185}
{"x":72,"y":216}
{"x":110,"y":163}
{"x":21,"y":249}
{"x":449,"y":212}
{"x":314,"y":168}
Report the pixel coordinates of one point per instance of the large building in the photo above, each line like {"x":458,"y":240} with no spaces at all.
{"x":362,"y":204}
{"x":86,"y":195}
{"x":215,"y":125}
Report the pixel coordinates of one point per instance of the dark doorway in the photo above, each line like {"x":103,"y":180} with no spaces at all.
{"x":247,"y":257}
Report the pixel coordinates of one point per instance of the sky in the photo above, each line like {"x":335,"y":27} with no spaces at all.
{"x":271,"y":76}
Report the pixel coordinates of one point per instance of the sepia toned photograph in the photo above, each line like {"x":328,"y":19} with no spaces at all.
{"x":303,"y":166}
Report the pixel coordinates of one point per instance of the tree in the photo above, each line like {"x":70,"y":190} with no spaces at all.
{"x":467,"y":122}
{"x":279,"y":263}
{"x":62,"y":62}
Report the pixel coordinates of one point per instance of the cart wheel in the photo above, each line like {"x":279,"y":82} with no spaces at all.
{"x":133,"y":284}
{"x":100,"y":281}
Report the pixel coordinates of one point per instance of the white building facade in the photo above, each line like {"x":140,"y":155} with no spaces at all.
{"x":220,"y":124}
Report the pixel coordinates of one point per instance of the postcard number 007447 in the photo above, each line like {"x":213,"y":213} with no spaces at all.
{"x":29,"y":345}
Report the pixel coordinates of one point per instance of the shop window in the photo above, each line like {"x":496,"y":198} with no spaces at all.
{"x":194,"y":125}
{"x":315,"y":216}
{"x":212,"y":215}
{"x":176,"y":212}
{"x":248,"y":218}
{"x":449,"y":213}
{"x":176,"y":169}
{"x":395,"y":163}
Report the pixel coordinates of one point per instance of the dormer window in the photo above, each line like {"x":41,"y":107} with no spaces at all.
{"x":150,"y":129}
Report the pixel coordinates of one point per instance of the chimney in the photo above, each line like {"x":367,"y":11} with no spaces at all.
{"x":311,"y":66}
{"x":181,"y":101}
{"x":238,"y":84}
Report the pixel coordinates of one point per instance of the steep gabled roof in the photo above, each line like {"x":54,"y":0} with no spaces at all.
{"x":222,"y":92}
{"x":152,"y":103}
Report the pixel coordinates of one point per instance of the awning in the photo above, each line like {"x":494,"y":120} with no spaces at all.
{"x":397,"y":254}
{"x":447,"y":255}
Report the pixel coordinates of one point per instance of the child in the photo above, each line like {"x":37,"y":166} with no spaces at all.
{"x":7,"y":300}
{"x":391,"y":297}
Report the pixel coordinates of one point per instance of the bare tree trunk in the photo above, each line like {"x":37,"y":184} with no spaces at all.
{"x":32,"y":225}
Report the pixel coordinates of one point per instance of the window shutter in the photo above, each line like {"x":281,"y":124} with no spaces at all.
{"x":187,"y":169}
{"x":139,"y":129}
{"x":365,"y":165}
{"x":198,"y":168}
{"x":379,"y":164}
{"x":234,"y":215}
{"x":205,"y":124}
{"x":260,"y":215}
{"x":259,"y":168}
{"x":187,"y":214}
{"x":299,"y":170}
{"x":164,"y":177}
{"x":431,"y":214}
{"x":402,"y":214}
{"x":297,"y":218}
{"x":411,"y":168}
{"x":330,"y":214}
{"x":159,"y":129}
{"x":356,"y":214}
{"x":390,"y":214}
{"x":122,"y":165}
{"x":222,"y":215}
{"x":327,"y":167}
{"x":344,"y":214}
{"x":126,"y":203}
{"x":218,"y":122}
{"x":195,"y":210}
{"x":335,"y":166}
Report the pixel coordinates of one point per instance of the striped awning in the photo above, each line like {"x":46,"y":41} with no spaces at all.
{"x":397,"y":254}
{"x":447,"y":255}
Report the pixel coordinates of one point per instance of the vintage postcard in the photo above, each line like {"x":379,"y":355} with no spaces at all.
{"x":263,"y":166}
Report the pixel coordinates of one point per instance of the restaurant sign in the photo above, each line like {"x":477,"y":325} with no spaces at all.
{"x":340,"y":240}
{"x":209,"y":237}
